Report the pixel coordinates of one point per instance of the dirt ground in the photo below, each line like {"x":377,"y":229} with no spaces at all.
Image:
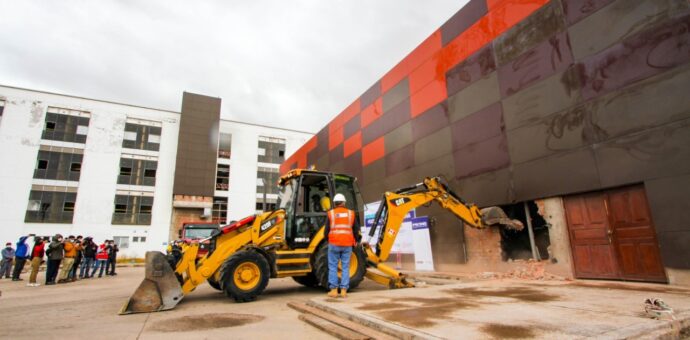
{"x":88,"y":309}
{"x":477,"y":309}
{"x":511,"y":308}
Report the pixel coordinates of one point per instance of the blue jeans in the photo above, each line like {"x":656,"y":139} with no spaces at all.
{"x":342,"y":254}
{"x":86,"y":265}
{"x":99,"y":264}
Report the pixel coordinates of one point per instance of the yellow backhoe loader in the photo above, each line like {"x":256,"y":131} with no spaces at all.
{"x":289,"y":242}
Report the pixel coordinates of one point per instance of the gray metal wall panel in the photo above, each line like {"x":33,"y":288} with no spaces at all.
{"x":653,"y":153}
{"x":195,"y":169}
{"x":571,"y":172}
{"x":544,"y":23}
{"x":622,"y":18}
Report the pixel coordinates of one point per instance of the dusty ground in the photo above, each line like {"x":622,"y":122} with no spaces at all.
{"x":495,"y":308}
{"x":88,"y":310}
{"x":509,"y":308}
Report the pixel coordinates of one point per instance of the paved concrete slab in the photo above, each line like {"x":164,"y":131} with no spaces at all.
{"x":513,"y":309}
{"x":88,"y":309}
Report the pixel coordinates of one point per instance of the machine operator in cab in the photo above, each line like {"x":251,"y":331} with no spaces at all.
{"x":342,"y":230}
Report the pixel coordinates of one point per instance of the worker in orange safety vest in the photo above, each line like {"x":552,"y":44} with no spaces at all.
{"x":342,"y":230}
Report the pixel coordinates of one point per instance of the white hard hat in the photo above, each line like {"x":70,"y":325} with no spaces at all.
{"x":339,"y":198}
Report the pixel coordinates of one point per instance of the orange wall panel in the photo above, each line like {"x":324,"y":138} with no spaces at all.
{"x":373,"y":151}
{"x":335,"y":137}
{"x":432,"y":94}
{"x":371,"y":113}
{"x":420,"y":54}
{"x":352,"y":144}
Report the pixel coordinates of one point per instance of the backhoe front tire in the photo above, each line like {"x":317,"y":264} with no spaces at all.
{"x":357,"y":266}
{"x":244,"y":275}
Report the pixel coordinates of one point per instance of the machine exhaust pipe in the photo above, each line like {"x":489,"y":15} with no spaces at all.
{"x":160,"y":290}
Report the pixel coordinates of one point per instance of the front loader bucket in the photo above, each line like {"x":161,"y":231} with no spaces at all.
{"x":496,"y":216}
{"x":159,"y":290}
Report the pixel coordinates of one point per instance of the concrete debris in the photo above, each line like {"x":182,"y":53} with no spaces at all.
{"x":527,"y":270}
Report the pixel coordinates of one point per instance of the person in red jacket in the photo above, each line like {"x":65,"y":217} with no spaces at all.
{"x":37,"y":252}
{"x":101,"y":259}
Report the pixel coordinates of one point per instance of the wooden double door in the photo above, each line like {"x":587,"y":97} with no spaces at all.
{"x":613,"y":237}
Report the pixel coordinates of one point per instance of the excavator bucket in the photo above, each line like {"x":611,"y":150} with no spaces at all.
{"x":159,"y":290}
{"x":496,"y":216}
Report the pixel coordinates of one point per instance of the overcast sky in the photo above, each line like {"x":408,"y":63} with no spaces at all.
{"x":293,"y":64}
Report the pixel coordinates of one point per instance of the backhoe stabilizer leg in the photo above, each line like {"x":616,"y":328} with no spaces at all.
{"x":159,"y":290}
{"x":388,"y":277}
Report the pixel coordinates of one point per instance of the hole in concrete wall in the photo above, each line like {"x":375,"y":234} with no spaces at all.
{"x":515,"y":245}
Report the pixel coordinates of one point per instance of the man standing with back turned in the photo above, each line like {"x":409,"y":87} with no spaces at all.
{"x":342,"y":229}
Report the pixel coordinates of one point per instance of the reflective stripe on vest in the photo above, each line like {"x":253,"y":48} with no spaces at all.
{"x":342,"y":220}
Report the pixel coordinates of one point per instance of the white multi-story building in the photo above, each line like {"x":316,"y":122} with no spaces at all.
{"x":79,"y":166}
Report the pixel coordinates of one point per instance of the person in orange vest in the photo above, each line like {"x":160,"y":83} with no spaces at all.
{"x":342,"y":228}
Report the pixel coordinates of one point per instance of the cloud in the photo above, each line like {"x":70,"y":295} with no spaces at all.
{"x":293,"y":64}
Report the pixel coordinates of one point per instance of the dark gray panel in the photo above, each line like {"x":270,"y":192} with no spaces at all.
{"x":442,"y":166}
{"x":447,"y":238}
{"x":338,"y":167}
{"x":487,"y":189}
{"x":646,"y":104}
{"x":462,"y":19}
{"x":195,"y":169}
{"x":674,"y":249}
{"x":475,"y":67}
{"x":322,"y":163}
{"x":432,"y":146}
{"x":653,"y":51}
{"x":622,"y":18}
{"x":398,"y":138}
{"x":351,"y":126}
{"x":396,"y":95}
{"x":552,"y":95}
{"x":374,"y":171}
{"x":654,"y":153}
{"x":488,"y":155}
{"x":550,"y":56}
{"x":576,"y":10}
{"x":353,"y":164}
{"x":669,"y":201}
{"x":545,"y":22}
{"x":430,"y":121}
{"x":474,"y":98}
{"x":479,"y":126}
{"x":336,"y":155}
{"x":559,"y":132}
{"x":368,"y":97}
{"x":561,"y":174}
{"x":400,"y":160}
{"x":390,"y":120}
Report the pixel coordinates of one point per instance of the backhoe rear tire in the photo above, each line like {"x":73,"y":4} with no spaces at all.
{"x":308,"y":280}
{"x":244,"y":275}
{"x":357,"y":266}
{"x":213,"y":283}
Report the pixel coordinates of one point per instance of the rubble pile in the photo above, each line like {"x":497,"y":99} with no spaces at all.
{"x":526,"y":270}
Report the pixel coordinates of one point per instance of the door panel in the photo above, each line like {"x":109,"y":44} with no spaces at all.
{"x":613,"y":236}
{"x":634,"y":235}
{"x":593,"y":254}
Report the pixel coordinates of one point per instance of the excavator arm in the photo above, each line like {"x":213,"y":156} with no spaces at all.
{"x":395,"y":205}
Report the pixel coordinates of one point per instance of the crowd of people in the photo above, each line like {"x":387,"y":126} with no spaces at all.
{"x":68,"y":260}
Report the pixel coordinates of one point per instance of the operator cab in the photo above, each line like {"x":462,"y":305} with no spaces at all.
{"x":306,"y":197}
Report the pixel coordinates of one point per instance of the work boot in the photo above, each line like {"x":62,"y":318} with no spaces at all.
{"x":343,"y":292}
{"x":333,"y":293}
